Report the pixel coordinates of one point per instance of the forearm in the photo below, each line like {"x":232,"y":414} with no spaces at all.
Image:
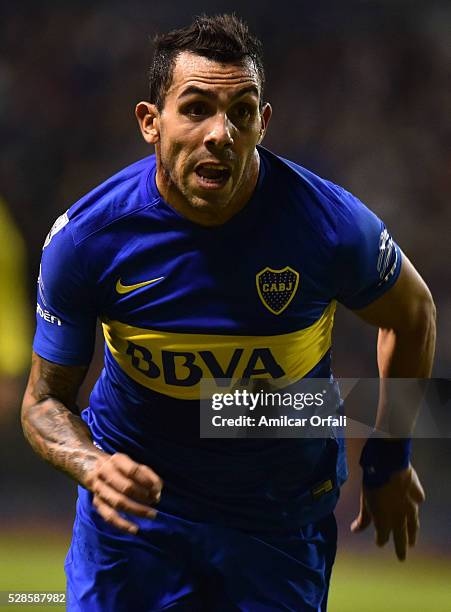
{"x":407,"y":353}
{"x":404,"y":356}
{"x":60,"y":437}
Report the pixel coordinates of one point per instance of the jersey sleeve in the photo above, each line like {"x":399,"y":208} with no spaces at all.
{"x":65,"y":311}
{"x":368,"y":259}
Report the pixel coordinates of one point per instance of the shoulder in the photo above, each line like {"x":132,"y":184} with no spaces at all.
{"x":331,"y":212}
{"x":121,"y":195}
{"x":329,"y":208}
{"x":67,"y":248}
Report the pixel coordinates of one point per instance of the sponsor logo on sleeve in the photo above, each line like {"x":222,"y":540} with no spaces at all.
{"x":388,"y":257}
{"x":48,"y":316}
{"x":56,"y":227}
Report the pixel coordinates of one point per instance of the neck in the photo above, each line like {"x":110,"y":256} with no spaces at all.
{"x":205,"y":213}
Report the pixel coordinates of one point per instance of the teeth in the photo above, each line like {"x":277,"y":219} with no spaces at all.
{"x":214,"y":166}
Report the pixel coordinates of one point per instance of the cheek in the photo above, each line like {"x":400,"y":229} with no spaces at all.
{"x":177,"y":147}
{"x":246,"y":159}
{"x":175,"y":158}
{"x":170,"y":150}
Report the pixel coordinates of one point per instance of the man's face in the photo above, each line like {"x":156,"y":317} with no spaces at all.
{"x":207,"y":131}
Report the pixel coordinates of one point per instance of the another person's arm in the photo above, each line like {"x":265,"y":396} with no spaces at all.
{"x":405,"y":316}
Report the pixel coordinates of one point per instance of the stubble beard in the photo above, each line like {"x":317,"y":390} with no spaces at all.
{"x":179,"y":191}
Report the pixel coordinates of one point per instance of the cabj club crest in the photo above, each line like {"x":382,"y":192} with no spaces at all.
{"x":277,"y":288}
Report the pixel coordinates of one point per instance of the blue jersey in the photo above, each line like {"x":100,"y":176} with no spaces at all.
{"x":179,"y":302}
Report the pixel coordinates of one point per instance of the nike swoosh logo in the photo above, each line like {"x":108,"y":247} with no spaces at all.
{"x":120,"y":288}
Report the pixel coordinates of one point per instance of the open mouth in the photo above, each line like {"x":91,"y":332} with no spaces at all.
{"x":213,"y":175}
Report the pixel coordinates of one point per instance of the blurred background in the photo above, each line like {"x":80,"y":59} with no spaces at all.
{"x":361,"y":93}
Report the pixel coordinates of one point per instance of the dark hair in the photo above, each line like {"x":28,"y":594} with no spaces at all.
{"x":222,"y":38}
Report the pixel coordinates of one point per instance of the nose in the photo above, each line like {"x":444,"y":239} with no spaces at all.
{"x":220,"y":132}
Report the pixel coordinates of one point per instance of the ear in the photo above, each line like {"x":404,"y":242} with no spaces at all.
{"x":148,"y":119}
{"x":265,"y":117}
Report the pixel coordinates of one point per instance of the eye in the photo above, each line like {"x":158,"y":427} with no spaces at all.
{"x":196,"y":110}
{"x":241,"y":113}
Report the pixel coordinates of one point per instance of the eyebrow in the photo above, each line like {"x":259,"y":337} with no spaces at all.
{"x":193,"y":90}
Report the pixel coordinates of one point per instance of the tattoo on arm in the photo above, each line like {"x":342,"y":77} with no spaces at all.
{"x":50,"y":425}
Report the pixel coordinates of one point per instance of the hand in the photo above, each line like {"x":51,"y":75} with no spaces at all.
{"x":119,"y":485}
{"x":392,"y":508}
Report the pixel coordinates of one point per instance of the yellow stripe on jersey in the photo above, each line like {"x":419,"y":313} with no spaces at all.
{"x":175,"y":363}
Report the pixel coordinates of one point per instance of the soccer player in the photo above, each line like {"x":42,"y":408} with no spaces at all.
{"x":215,"y":258}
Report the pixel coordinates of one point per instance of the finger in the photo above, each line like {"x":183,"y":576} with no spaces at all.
{"x":413,"y":525}
{"x":127,"y":487}
{"x":121,"y":503}
{"x":416,"y":491}
{"x":138,"y":472}
{"x":400,"y":538}
{"x":113,"y":518}
{"x":363,"y":519}
{"x":382,"y":532}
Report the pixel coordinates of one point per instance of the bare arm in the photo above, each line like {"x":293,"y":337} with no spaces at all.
{"x":58,"y":434}
{"x":405,"y":316}
{"x":50,"y":422}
